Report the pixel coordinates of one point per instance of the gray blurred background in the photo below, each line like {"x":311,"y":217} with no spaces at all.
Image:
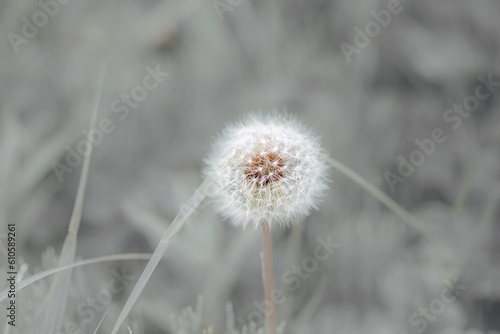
{"x":370,"y":84}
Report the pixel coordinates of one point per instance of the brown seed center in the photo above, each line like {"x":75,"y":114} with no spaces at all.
{"x":265,"y":168}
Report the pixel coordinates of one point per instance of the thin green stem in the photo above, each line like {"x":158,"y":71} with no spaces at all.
{"x":378,"y":194}
{"x":36,"y":277}
{"x":395,"y":207}
{"x":268,"y":278}
{"x":167,"y":238}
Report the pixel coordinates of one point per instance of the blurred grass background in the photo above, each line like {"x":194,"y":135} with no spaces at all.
{"x":262,"y":55}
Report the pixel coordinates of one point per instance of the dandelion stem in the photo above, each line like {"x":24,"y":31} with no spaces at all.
{"x":268,"y":278}
{"x":378,"y":194}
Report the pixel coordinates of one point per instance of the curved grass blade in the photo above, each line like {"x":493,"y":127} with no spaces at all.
{"x":162,"y":247}
{"x":32,"y":279}
{"x":378,"y":194}
{"x":54,"y":313}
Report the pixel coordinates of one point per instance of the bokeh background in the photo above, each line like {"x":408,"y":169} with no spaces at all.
{"x":224,"y":59}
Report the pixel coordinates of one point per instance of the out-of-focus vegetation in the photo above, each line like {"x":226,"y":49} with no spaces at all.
{"x":397,"y":86}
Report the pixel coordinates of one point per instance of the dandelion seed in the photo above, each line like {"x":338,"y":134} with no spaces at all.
{"x":269,"y":167}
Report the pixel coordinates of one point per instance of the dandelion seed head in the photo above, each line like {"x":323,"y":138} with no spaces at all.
{"x":267,"y":167}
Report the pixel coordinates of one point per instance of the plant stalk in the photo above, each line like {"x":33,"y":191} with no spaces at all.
{"x":268,"y":278}
{"x":375,"y":192}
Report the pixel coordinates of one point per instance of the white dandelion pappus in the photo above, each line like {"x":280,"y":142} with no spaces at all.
{"x":268,"y":167}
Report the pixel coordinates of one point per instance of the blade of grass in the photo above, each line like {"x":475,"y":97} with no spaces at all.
{"x":394,"y":207}
{"x":39,"y":159}
{"x":32,"y":279}
{"x":162,"y":247}
{"x":100,"y":322}
{"x":460,"y":199}
{"x":378,"y":194}
{"x":58,"y":292}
